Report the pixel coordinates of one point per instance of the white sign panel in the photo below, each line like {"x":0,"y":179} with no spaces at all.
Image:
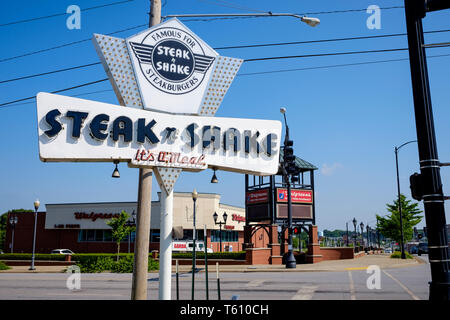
{"x":73,"y":129}
{"x":177,"y":72}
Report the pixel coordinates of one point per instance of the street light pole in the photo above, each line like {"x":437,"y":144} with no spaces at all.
{"x":224,"y":216}
{"x":13,"y":221}
{"x":36,"y":207}
{"x":402,"y":246}
{"x":354,"y":235}
{"x":362,"y":234}
{"x":290,"y":259}
{"x":194,"y":236}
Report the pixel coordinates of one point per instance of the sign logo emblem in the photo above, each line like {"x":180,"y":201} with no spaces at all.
{"x":172,"y":60}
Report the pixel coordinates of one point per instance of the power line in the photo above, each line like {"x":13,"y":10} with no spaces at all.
{"x":67,"y":44}
{"x":57,"y":91}
{"x":227,"y":4}
{"x":322,"y":40}
{"x":335,"y":65}
{"x":245,"y":60}
{"x":74,"y":95}
{"x":222,"y":48}
{"x":63,"y":14}
{"x":50,"y":72}
{"x":244,"y":74}
{"x":206,"y":19}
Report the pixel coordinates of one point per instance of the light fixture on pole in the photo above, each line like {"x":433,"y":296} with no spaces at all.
{"x":354,"y":235}
{"x":361,"y":225}
{"x":13,"y":221}
{"x":116,"y":173}
{"x":214,"y":177}
{"x":36,"y":207}
{"x":402,"y":246}
{"x":312,"y":22}
{"x":194,"y":236}
{"x":289,"y":169}
{"x":224,"y":216}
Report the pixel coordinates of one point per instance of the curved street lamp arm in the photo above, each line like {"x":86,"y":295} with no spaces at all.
{"x":397,"y":148}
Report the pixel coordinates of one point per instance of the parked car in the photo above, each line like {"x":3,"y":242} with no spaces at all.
{"x":413,"y":250}
{"x":387,"y":250}
{"x":423,"y":248}
{"x":62,"y":251}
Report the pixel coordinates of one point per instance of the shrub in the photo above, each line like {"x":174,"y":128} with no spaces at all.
{"x":216,"y":255}
{"x":398,"y":255}
{"x":91,"y":263}
{"x":37,"y":256}
{"x":3,"y":266}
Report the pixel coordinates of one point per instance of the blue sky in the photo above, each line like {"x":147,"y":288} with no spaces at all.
{"x":345,"y":120}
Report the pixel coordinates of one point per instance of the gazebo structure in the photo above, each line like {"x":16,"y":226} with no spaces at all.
{"x":265,"y":232}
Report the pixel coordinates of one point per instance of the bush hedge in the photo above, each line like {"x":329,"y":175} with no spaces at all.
{"x":105,"y":263}
{"x":398,"y":255}
{"x":3,"y":266}
{"x":215,"y":255}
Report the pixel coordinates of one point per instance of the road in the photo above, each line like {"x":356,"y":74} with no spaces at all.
{"x":406,"y":283}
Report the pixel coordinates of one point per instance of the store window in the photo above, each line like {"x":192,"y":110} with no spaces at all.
{"x":227,"y":236}
{"x":100,"y":236}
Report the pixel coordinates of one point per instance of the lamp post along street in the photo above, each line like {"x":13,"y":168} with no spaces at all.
{"x":402,"y":246}
{"x":362,"y":234}
{"x":354,"y":235}
{"x":36,"y":207}
{"x":224,"y":216}
{"x":194,"y":236}
{"x":13,"y":221}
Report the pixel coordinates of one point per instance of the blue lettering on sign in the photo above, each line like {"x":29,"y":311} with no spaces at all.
{"x":173,"y":60}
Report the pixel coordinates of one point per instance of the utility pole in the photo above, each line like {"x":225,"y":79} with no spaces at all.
{"x":140,"y":270}
{"x":429,"y":180}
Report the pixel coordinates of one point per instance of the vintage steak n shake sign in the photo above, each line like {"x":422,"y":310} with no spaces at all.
{"x":73,"y":129}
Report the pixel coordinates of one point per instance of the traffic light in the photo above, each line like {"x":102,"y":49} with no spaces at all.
{"x":289,"y":152}
{"x":416,"y":186}
{"x":295,"y":230}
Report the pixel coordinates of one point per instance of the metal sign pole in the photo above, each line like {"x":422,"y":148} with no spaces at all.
{"x":165,"y":245}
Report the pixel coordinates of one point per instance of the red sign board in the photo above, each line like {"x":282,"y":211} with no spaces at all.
{"x":297,"y":195}
{"x":257,"y":196}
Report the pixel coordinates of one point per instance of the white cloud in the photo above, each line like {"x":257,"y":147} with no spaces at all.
{"x":328,"y":170}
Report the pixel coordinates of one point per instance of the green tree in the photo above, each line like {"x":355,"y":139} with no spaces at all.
{"x":120,"y":229}
{"x":389,"y":225}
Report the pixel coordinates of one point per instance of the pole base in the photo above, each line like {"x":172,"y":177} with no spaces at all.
{"x":290,"y":261}
{"x":439,"y":291}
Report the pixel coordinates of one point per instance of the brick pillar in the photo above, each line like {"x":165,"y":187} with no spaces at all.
{"x":247,"y":237}
{"x":275,"y":254}
{"x":314,"y":254}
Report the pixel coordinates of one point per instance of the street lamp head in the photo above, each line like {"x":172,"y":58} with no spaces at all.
{"x":225,"y":216}
{"x":215,"y":215}
{"x":354,"y":222}
{"x":283,"y":110}
{"x":36,"y":204}
{"x":194,"y":195}
{"x":361,"y":225}
{"x":311,"y":21}
{"x":116,"y":173}
{"x":214,"y":177}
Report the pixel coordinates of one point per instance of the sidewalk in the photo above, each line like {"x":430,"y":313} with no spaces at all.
{"x":381,"y":260}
